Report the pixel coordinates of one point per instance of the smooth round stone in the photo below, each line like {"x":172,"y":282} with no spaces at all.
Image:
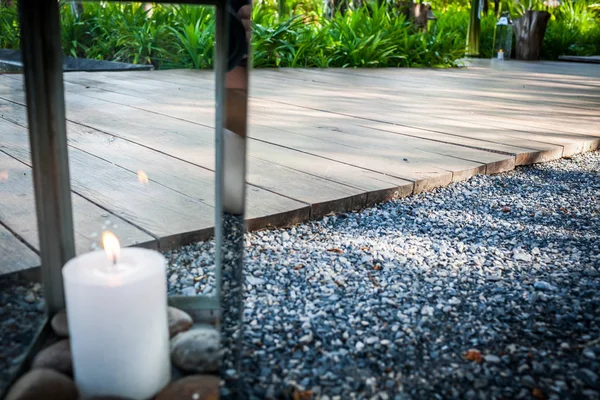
{"x":59,"y":324}
{"x":56,"y":357}
{"x":196,"y":387}
{"x":179,"y":321}
{"x":197,"y":350}
{"x":43,"y":384}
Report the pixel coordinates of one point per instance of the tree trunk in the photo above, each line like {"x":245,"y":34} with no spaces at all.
{"x":529,"y":31}
{"x":281,"y":8}
{"x":415,"y":12}
{"x":473,"y":32}
{"x":7,"y":3}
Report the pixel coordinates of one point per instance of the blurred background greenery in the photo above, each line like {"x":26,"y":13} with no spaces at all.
{"x":306,"y":33}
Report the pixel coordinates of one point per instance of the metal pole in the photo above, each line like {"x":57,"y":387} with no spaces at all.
{"x":42,"y":66}
{"x":473,"y":33}
{"x":232,"y":108}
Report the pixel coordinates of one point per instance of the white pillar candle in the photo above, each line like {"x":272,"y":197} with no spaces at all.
{"x":117,"y":313}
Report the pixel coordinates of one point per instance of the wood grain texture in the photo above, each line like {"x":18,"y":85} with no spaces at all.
{"x":320,"y":141}
{"x":15,"y":256}
{"x":17,"y":208}
{"x":191,"y":180}
{"x":297,"y":175}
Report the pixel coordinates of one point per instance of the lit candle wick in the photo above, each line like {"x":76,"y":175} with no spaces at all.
{"x":111,"y":246}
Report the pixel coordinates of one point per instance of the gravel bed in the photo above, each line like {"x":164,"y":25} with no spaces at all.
{"x":21,"y":314}
{"x":485,"y":289}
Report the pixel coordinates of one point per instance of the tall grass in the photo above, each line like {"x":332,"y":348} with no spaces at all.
{"x":370,"y":36}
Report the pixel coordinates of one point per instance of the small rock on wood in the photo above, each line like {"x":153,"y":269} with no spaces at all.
{"x":56,"y":357}
{"x":197,"y":387}
{"x":40,"y":384}
{"x":197,"y":350}
{"x":59,"y":324}
{"x":179,"y":321}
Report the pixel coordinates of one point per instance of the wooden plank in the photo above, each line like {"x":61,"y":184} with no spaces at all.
{"x":450,"y":92}
{"x":538,"y":150}
{"x":264,"y":207}
{"x":185,"y":111}
{"x":135,"y":126}
{"x":157,"y":132}
{"x":160,"y":211}
{"x":17,"y":208}
{"x":166,"y":134}
{"x":342,"y":130}
{"x":409,"y":164}
{"x":541,"y":147}
{"x":15,"y":256}
{"x":560,"y":144}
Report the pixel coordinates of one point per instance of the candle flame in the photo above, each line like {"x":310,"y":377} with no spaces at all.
{"x":142,"y":177}
{"x":111,"y":246}
{"x":3,"y":176}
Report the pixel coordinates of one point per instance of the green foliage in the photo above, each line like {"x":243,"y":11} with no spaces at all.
{"x":9,"y":28}
{"x":369,"y":36}
{"x":517,"y":8}
{"x":573,"y":30}
{"x":364,"y":37}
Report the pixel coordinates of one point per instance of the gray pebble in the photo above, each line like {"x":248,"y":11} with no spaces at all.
{"x":197,"y":350}
{"x":491,"y":263}
{"x":541,"y":285}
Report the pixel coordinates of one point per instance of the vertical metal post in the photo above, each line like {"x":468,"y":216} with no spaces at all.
{"x":473,"y":32}
{"x":42,"y":65}
{"x":232,"y":108}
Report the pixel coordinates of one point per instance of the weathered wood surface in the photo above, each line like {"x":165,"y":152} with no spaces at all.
{"x":15,"y":255}
{"x":321,"y":141}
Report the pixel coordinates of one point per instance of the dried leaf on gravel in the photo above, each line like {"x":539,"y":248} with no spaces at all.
{"x":377,"y":267}
{"x":506,"y":209}
{"x":299,"y":266}
{"x":336,"y":250}
{"x":538,"y":393}
{"x":303,"y":394}
{"x":474,"y":355}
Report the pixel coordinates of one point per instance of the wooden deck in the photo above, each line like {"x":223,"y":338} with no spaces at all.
{"x":322,"y":141}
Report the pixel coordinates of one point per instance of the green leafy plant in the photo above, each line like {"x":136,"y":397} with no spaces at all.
{"x":373,"y":35}
{"x":9,"y":28}
{"x":573,"y":30}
